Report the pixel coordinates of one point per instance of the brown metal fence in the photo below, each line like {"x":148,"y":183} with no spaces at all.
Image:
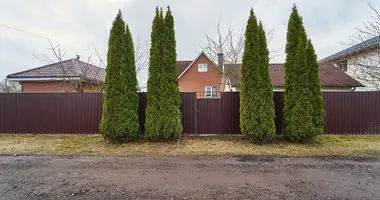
{"x":352,"y":112}
{"x":50,"y":113}
{"x":77,"y":113}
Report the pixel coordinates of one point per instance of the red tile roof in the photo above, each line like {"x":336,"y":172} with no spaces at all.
{"x":329,"y":75}
{"x":182,"y":65}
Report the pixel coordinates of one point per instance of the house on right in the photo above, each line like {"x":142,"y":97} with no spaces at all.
{"x":361,"y":61}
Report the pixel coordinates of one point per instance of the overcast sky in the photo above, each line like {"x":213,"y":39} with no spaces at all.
{"x":80,"y":25}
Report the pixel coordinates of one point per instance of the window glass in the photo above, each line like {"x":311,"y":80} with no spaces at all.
{"x":202,"y":67}
{"x":211,"y":91}
{"x":343,"y":65}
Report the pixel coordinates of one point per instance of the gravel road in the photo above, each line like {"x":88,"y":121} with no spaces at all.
{"x":237,"y":177}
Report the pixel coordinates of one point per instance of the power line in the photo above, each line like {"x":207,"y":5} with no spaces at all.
{"x":36,"y":35}
{"x":22,"y":31}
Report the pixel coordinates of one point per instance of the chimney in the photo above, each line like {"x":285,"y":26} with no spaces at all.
{"x":78,"y":57}
{"x":221,"y":61}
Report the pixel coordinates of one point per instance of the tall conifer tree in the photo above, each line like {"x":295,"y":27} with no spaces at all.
{"x":316,"y":100}
{"x":153,"y":88}
{"x":172,"y":121}
{"x":301,"y":97}
{"x":120,"y":121}
{"x":256,"y":95}
{"x":163,"y":117}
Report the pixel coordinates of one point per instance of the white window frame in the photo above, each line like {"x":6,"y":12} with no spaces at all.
{"x":202,"y":67}
{"x":211,"y":91}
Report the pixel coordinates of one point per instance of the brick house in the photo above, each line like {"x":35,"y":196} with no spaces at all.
{"x":200,"y":75}
{"x":71,"y":75}
{"x":208,"y":79}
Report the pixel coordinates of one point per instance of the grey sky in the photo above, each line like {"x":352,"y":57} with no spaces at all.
{"x":79,"y":26}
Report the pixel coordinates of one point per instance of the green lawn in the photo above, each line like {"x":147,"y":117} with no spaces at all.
{"x":353,"y":146}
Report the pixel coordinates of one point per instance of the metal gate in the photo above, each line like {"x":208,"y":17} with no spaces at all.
{"x":218,"y":115}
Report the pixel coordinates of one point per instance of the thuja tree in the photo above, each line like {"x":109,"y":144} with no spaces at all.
{"x":172,"y":125}
{"x":154,"y":86}
{"x":120,"y":121}
{"x":302,"y":98}
{"x":163,"y":117}
{"x":256,"y":96}
{"x":318,"y":113}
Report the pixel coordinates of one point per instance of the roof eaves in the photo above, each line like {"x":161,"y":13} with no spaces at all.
{"x":43,"y":78}
{"x":36,"y":68}
{"x":28,"y":70}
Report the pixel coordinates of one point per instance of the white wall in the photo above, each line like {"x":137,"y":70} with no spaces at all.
{"x":230,"y":89}
{"x":367,"y":58}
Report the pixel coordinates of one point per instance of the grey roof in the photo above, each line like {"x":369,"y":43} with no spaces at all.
{"x":366,"y":44}
{"x":72,"y":68}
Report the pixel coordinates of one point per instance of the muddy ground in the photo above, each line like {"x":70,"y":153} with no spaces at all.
{"x":239,"y":177}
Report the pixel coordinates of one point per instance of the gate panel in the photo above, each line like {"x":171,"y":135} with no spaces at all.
{"x":218,"y":115}
{"x":208,"y":116}
{"x":188,"y":110}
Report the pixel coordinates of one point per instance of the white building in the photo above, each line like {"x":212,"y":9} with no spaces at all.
{"x":361,"y":61}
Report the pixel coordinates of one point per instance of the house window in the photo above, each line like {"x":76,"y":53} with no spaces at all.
{"x":211,"y":91}
{"x":202,"y":67}
{"x":343,"y":65}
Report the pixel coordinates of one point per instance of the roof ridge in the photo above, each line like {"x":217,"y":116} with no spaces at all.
{"x":88,"y":63}
{"x":359,"y":46}
{"x":28,"y":70}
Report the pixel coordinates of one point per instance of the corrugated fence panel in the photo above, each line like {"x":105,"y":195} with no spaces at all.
{"x":279,"y":106}
{"x":352,"y":112}
{"x":142,"y":108}
{"x":29,"y":115}
{"x":80,"y":113}
{"x":230,"y":114}
{"x":50,"y":113}
{"x":208,"y":116}
{"x":188,"y":111}
{"x":8,"y":116}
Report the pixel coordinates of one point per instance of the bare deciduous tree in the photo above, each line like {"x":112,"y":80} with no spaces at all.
{"x":141,"y":60}
{"x":231,"y":44}
{"x":83,"y":76}
{"x":75,"y":75}
{"x":366,"y":64}
{"x":9,"y":87}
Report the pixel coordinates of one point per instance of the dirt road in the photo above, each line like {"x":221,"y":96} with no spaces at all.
{"x":51,"y":177}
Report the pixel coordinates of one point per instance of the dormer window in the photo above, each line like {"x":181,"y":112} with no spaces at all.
{"x":343,"y":65}
{"x":202,"y":67}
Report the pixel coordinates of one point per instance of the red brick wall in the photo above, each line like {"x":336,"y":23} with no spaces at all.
{"x":194,"y":81}
{"x":54,"y":86}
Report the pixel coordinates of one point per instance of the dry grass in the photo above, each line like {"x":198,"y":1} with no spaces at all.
{"x":354,"y":146}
